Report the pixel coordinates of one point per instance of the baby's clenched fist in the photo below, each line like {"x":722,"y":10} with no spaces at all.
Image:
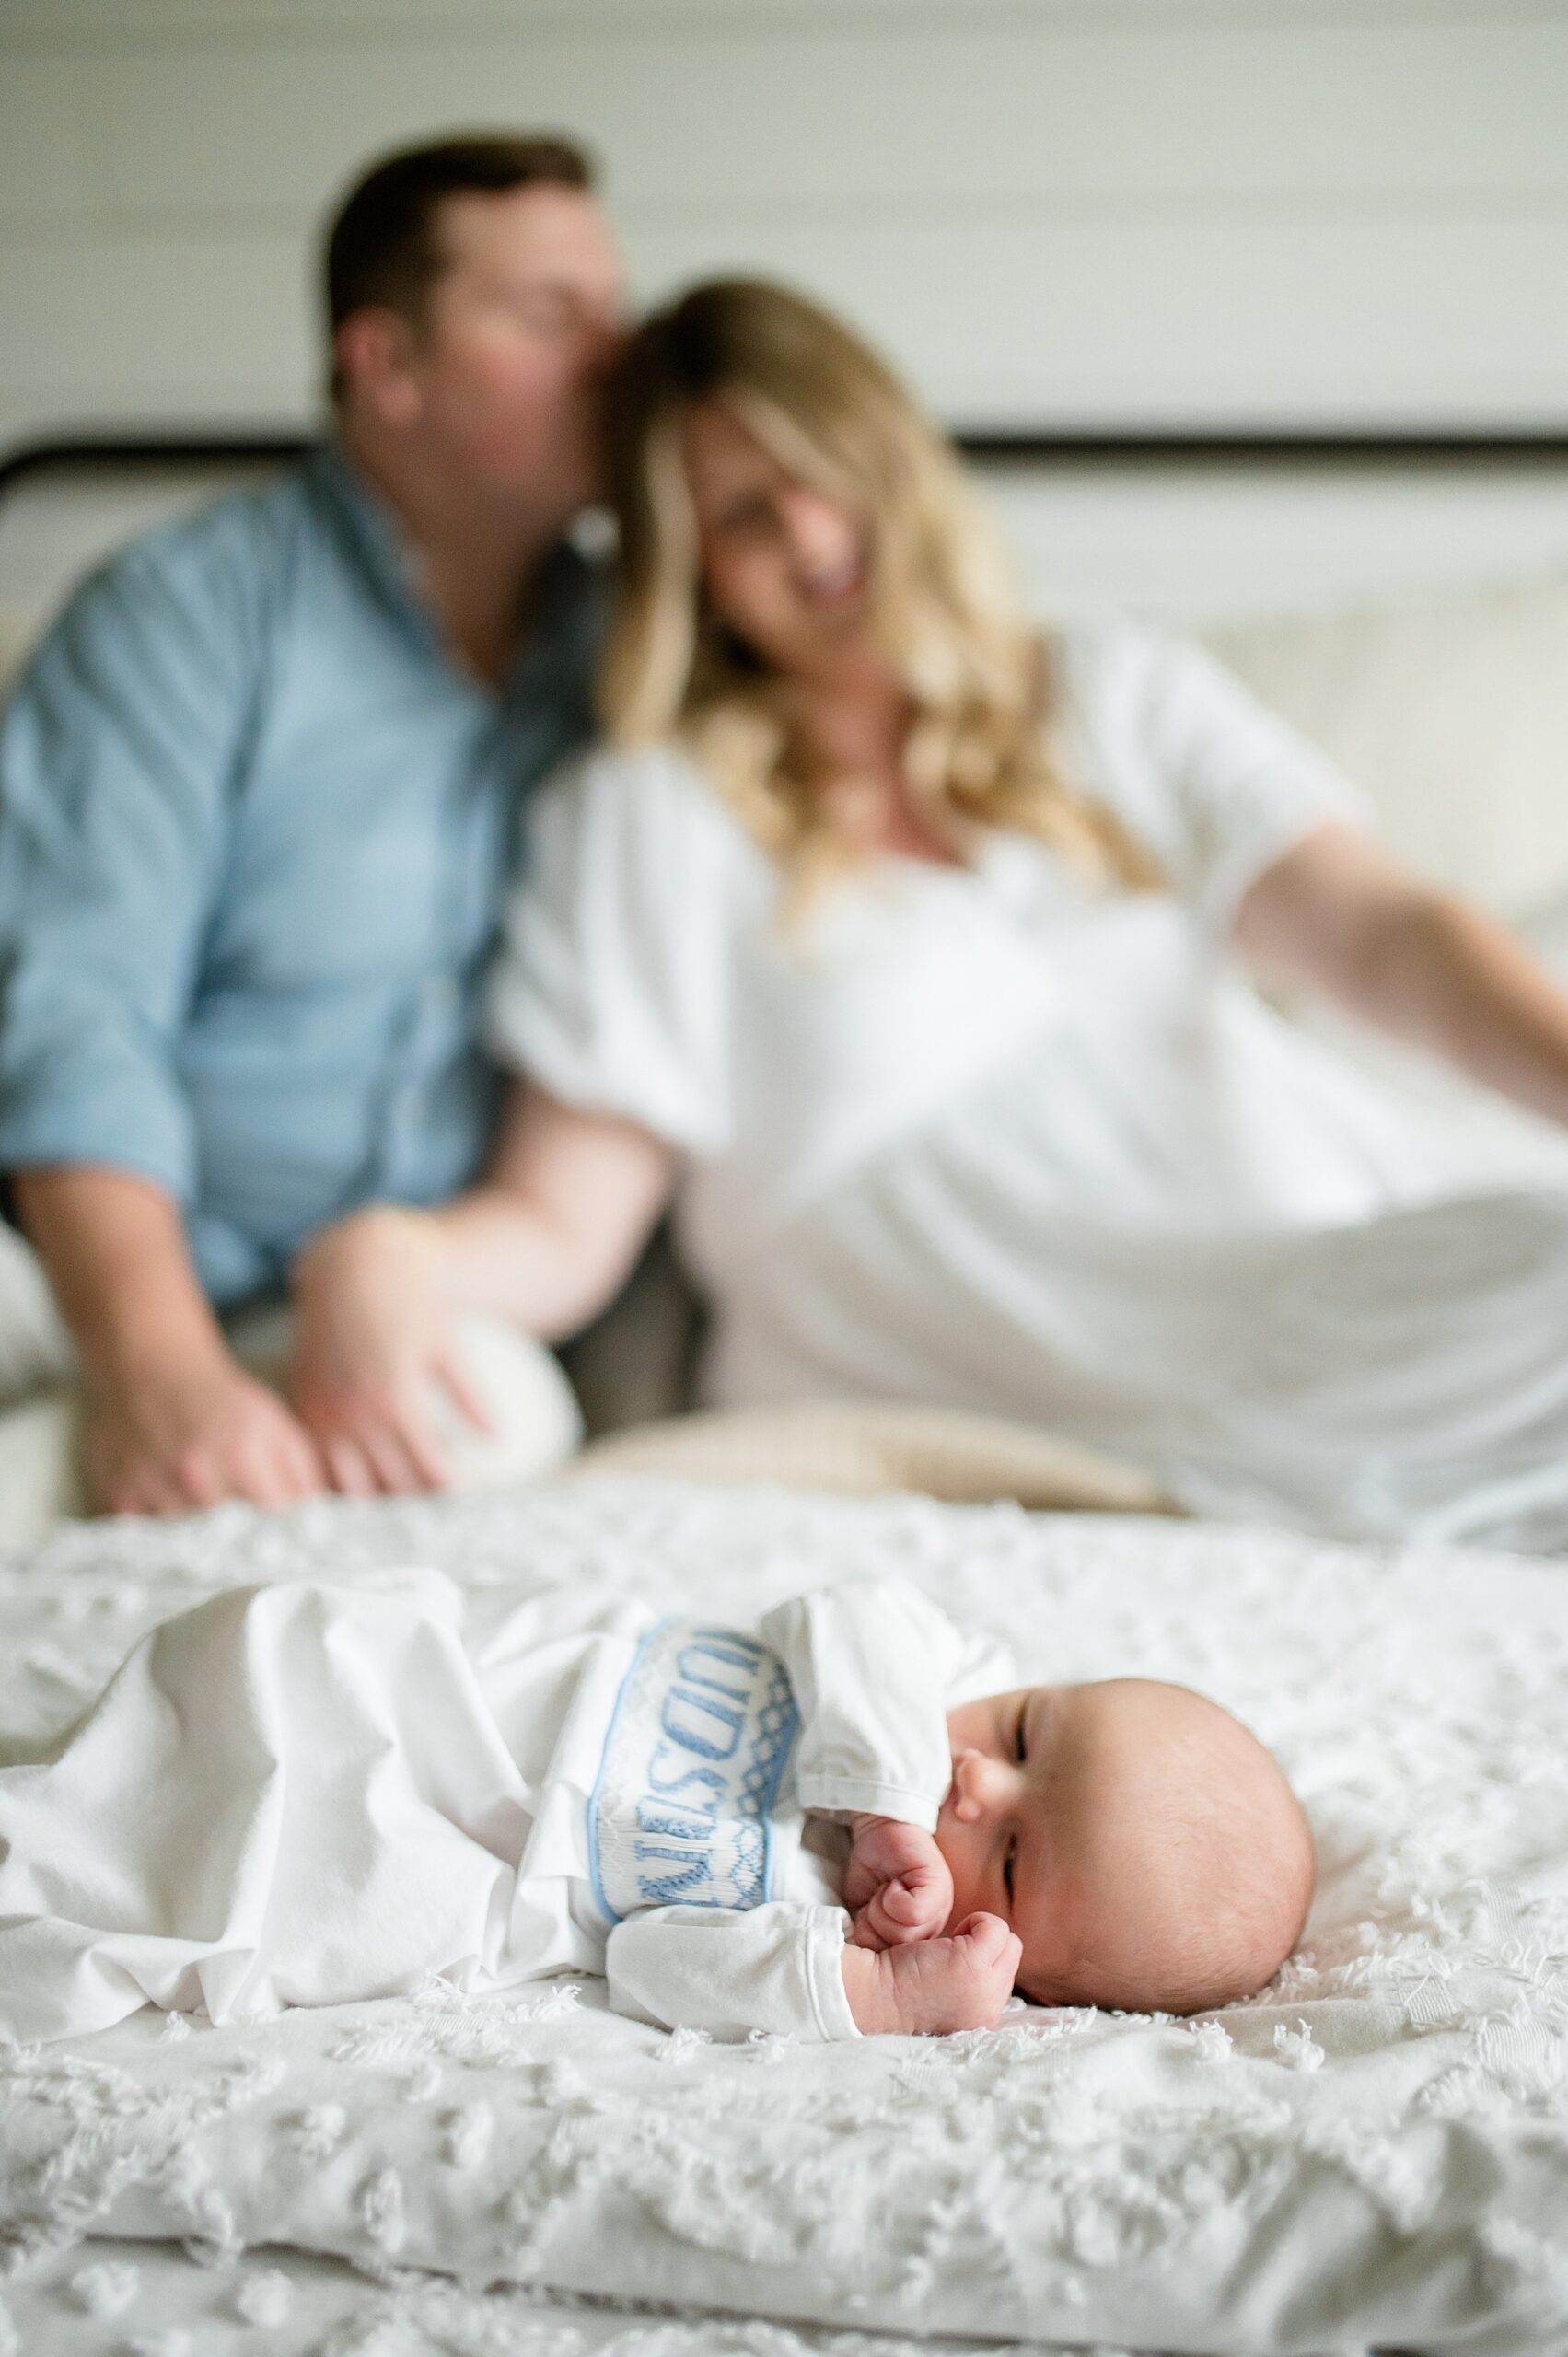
{"x":961,"y":1981}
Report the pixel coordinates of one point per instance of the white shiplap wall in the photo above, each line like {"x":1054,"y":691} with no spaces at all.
{"x":1136,"y":210}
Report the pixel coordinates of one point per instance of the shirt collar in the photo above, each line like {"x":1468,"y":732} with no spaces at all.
{"x":366,"y":522}
{"x":569,"y":591}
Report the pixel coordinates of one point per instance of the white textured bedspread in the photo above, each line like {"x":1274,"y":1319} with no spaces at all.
{"x":1373,"y":2151}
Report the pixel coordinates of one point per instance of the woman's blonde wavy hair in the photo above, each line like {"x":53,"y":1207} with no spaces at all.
{"x":977,"y":674}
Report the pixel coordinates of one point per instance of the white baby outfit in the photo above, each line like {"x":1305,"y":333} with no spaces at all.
{"x":978,"y":1137}
{"x":309,"y":1793}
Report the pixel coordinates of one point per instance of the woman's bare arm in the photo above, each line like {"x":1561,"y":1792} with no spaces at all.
{"x":543,"y":1240}
{"x":1339,"y":912}
{"x":566,"y":1203}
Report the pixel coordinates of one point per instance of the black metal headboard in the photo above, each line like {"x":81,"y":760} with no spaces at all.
{"x":152,"y":450}
{"x":1064,"y":445}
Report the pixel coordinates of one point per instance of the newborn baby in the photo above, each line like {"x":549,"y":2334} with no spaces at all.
{"x":310,"y":1793}
{"x":1142,"y":1847}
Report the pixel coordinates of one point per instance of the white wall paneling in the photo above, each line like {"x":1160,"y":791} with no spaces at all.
{"x":1198,"y":541}
{"x":1147,"y":210}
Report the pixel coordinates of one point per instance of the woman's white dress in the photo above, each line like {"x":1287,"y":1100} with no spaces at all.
{"x":978,"y":1136}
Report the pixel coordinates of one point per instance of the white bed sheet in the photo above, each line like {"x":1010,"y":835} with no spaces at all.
{"x":131,"y":2299}
{"x":1375,"y":2151}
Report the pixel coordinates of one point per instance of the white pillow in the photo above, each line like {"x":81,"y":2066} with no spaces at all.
{"x":1451,"y":713}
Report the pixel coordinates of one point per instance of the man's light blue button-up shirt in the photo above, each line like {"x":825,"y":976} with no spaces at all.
{"x":254,"y":833}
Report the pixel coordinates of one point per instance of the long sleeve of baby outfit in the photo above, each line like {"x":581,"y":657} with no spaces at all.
{"x":729,"y":1971}
{"x":874,"y":1664}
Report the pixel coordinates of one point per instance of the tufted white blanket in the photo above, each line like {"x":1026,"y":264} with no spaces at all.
{"x":1376,"y":2150}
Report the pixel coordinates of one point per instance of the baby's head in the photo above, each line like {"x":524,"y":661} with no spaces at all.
{"x":1144,"y":1845}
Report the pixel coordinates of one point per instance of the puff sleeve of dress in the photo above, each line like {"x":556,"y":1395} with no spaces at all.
{"x":612,"y":989}
{"x":1201,"y":773}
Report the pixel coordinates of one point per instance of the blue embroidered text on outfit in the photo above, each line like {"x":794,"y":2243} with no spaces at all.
{"x":692,"y":1766}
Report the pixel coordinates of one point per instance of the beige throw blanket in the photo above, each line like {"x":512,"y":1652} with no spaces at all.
{"x":859,"y":1448}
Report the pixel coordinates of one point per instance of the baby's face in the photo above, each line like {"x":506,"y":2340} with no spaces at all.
{"x":994,"y":1825}
{"x":1140,"y":1841}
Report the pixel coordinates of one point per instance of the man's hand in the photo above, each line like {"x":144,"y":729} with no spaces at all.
{"x":375,"y":1349}
{"x":171,"y":1422}
{"x":170,"y":1437}
{"x":897,"y":1886}
{"x":932,"y":1986}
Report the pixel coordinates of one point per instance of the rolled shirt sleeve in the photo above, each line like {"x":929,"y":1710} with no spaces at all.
{"x":116,"y":759}
{"x":728,"y":1972}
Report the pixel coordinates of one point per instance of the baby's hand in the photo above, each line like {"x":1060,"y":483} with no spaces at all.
{"x":897,"y":1887}
{"x":933,"y":1986}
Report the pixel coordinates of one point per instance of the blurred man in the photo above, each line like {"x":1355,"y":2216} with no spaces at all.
{"x":257,"y":794}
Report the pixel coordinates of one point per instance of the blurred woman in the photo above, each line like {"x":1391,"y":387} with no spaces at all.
{"x":909,"y":950}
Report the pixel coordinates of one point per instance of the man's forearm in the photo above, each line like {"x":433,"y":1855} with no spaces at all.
{"x":114,"y":1248}
{"x":172,"y":1422}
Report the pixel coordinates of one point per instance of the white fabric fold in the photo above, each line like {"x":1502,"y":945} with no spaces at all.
{"x":1403,"y":1377}
{"x":290,"y":1796}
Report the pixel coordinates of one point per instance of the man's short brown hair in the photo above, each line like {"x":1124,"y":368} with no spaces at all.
{"x":383,"y":243}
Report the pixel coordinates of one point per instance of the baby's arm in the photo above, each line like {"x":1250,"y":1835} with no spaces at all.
{"x":733,"y":1970}
{"x":873,"y":1664}
{"x":788,"y":1967}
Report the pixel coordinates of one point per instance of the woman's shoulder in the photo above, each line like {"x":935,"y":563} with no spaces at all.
{"x":629,"y":777}
{"x":644,"y":794}
{"x":644,"y":820}
{"x":1140,"y":697}
{"x":1108,"y":667}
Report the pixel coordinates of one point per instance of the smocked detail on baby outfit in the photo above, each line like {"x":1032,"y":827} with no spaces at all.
{"x":692,"y":1760}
